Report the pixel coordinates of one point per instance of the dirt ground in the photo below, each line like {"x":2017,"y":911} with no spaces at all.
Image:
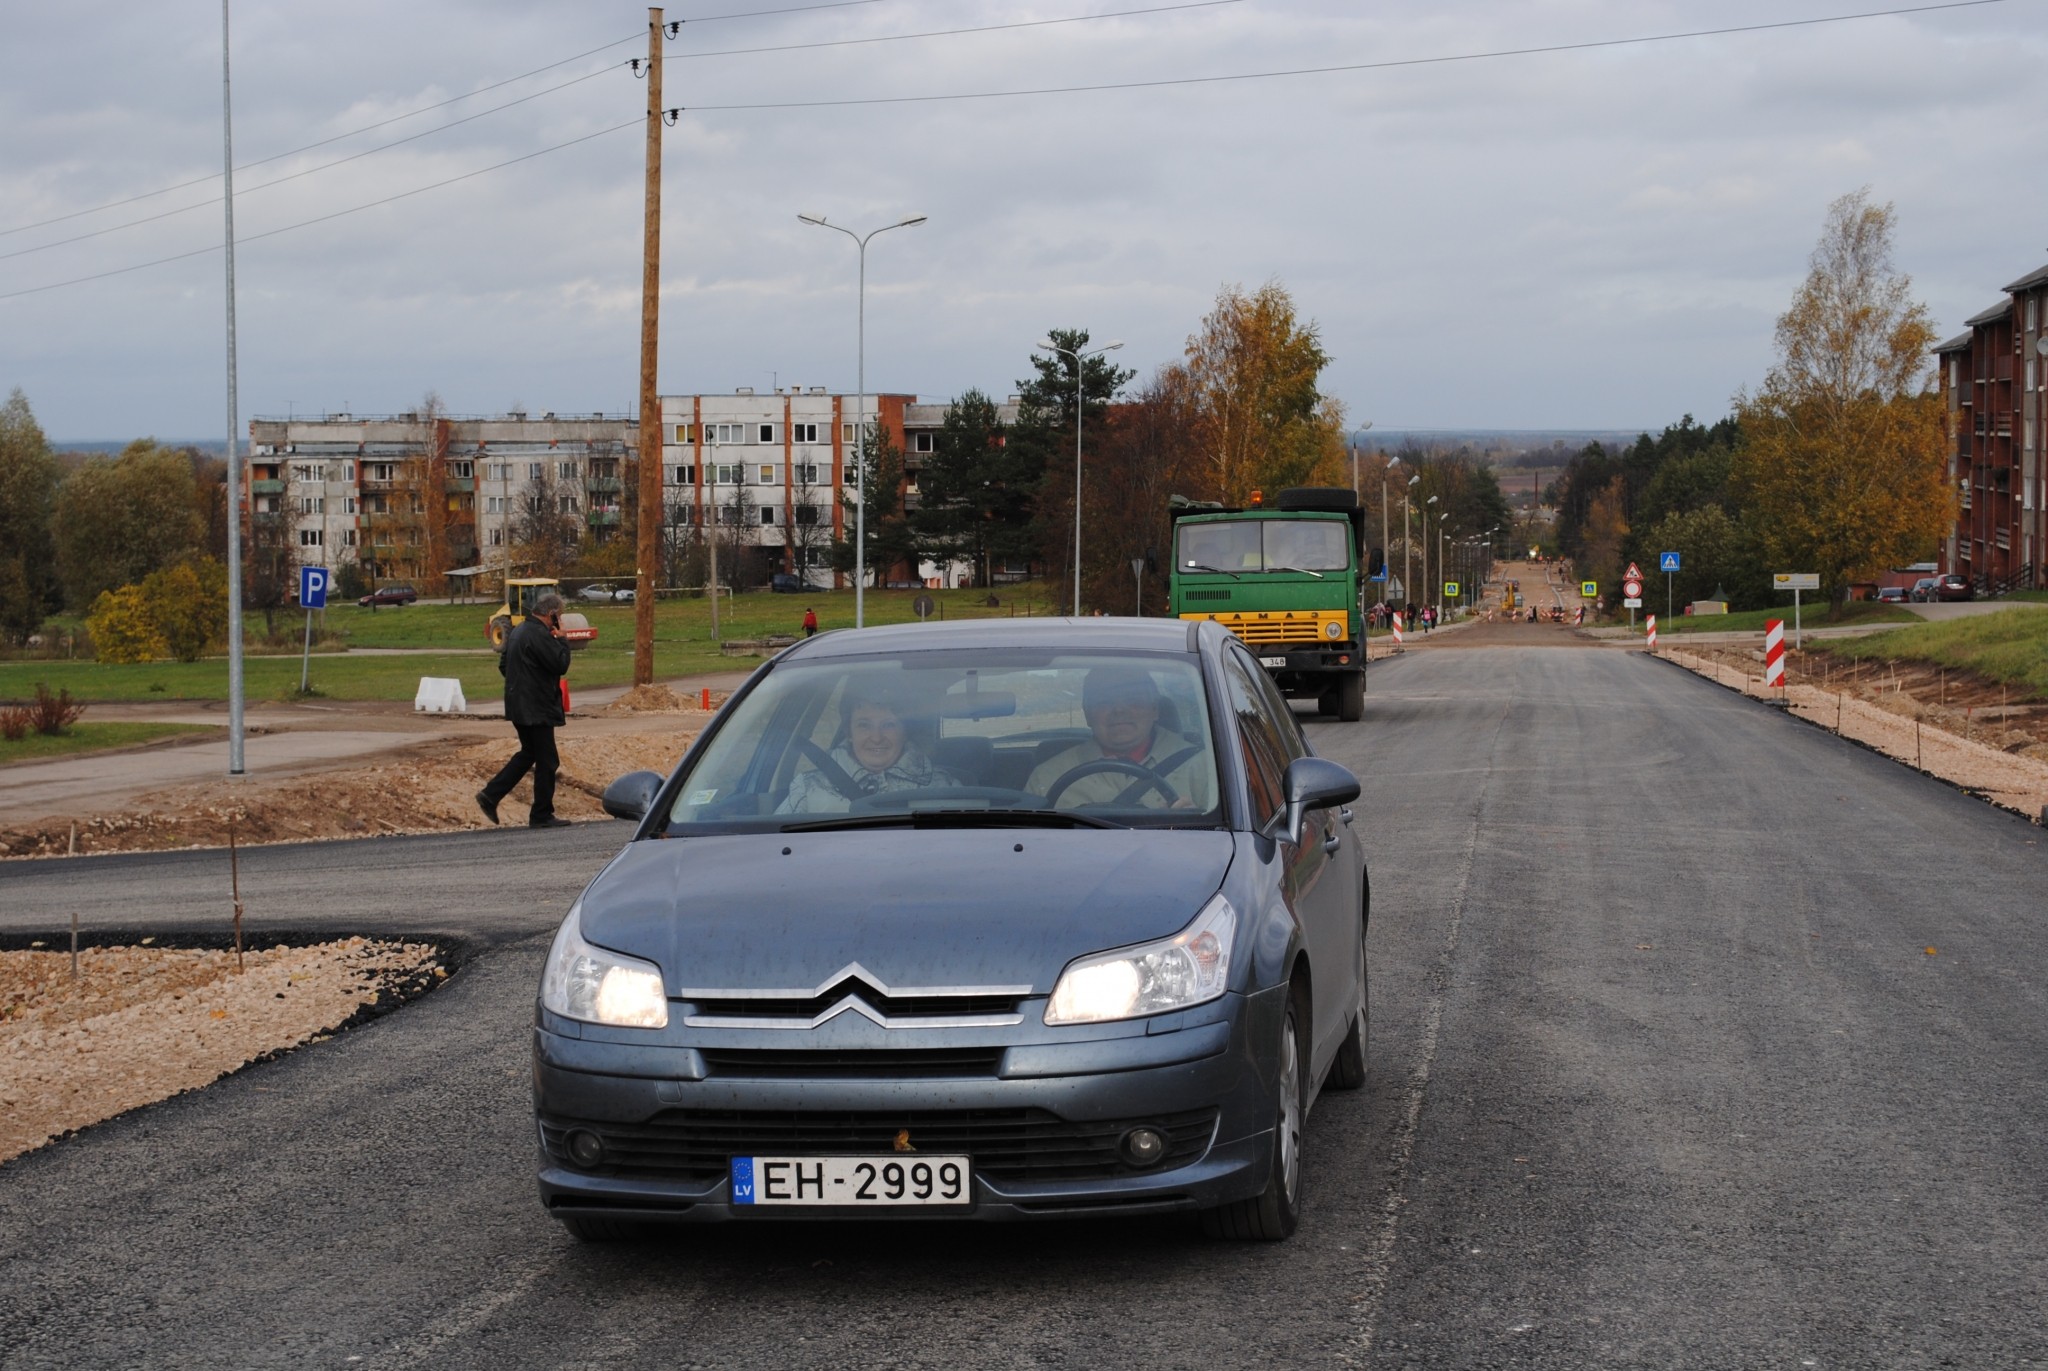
{"x":1955,"y":725}
{"x":429,"y":788}
{"x":144,"y":1023}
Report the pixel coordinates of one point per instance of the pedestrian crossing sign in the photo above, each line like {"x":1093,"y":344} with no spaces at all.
{"x":1589,"y":590}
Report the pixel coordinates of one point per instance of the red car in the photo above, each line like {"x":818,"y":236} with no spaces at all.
{"x":1952,"y":587}
{"x":389,"y":595}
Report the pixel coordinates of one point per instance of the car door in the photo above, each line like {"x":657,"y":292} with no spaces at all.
{"x":1314,"y":881}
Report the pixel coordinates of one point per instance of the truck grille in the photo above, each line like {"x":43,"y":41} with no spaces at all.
{"x":1006,"y":1144}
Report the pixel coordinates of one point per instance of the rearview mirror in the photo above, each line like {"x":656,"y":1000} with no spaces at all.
{"x":632,"y":794}
{"x":1314,"y":783}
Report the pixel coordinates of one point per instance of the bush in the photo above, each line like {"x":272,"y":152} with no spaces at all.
{"x":14,"y":722}
{"x":123,"y":629}
{"x":52,"y":714}
{"x":189,"y":605}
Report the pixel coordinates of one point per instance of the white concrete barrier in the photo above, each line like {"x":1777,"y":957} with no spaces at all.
{"x":440,"y":695}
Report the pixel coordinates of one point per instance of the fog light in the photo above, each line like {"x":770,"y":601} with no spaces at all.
{"x":585,"y":1149}
{"x":1144,"y":1146}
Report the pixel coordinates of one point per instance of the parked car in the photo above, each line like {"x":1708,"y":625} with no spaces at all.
{"x":1923,"y":589}
{"x":1953,"y":587}
{"x":389,"y":595}
{"x":1891,"y":595}
{"x":789,"y":583}
{"x":597,"y":593}
{"x":898,"y":937}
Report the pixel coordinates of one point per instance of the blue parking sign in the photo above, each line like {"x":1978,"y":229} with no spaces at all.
{"x":313,"y":587}
{"x":1667,"y":561}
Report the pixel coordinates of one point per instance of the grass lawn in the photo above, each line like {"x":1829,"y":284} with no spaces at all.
{"x":2009,"y":646}
{"x":1810,"y":616}
{"x":91,"y":737}
{"x":448,"y":640}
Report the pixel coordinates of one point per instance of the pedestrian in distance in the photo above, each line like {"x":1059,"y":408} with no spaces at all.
{"x":810,"y":622}
{"x":534,"y":662}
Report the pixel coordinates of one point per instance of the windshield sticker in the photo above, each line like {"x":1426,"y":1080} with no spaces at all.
{"x":701,"y":797}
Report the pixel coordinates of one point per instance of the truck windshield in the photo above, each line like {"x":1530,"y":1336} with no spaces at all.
{"x":1240,"y":545}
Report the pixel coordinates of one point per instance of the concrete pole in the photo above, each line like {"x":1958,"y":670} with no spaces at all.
{"x":234,"y":479}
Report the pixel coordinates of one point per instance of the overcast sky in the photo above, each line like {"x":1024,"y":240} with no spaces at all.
{"x":1597,"y":238}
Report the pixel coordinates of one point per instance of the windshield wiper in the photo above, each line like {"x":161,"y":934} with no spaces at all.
{"x":1212,"y":570}
{"x":1302,"y":569}
{"x":956,"y":818}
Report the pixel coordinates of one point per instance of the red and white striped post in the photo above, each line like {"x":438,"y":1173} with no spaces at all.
{"x":1650,"y":625}
{"x":1774,"y":654}
{"x":1397,"y":630}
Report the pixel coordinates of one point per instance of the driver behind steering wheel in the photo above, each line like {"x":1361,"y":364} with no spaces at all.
{"x":1121,"y":704}
{"x":874,"y":756}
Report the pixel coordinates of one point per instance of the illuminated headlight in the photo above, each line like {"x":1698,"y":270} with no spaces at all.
{"x":1189,"y":968}
{"x":597,"y":986}
{"x":1333,"y":630}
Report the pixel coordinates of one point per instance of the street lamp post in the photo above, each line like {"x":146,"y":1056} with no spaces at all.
{"x":1078,"y":357}
{"x":860,"y":417}
{"x":1428,"y":598}
{"x":1440,"y":564}
{"x":1386,"y":545}
{"x":1408,"y":541}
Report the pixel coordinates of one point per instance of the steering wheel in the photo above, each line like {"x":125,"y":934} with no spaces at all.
{"x":834,"y":774}
{"x":1148,"y":778}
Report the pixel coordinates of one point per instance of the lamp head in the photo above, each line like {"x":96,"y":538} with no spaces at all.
{"x":1048,"y":345}
{"x":1431,"y":500}
{"x":818,"y":219}
{"x":911,"y":222}
{"x":1111,"y":347}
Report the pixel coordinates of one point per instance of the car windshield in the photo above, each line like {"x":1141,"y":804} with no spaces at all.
{"x":1241,"y":545}
{"x":960,"y":737}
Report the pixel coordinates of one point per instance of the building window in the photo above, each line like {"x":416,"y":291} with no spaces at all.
{"x":725,"y":433}
{"x":767,"y":433}
{"x":846,"y":433}
{"x":807,"y":514}
{"x":462,"y":471}
{"x":765,"y":475}
{"x":685,"y":433}
{"x":381,"y":471}
{"x":497,"y":537}
{"x":569,"y":504}
{"x":728,"y":474}
{"x":348,"y":504}
{"x":685,"y":475}
{"x":348,"y":471}
{"x":920,"y":442}
{"x":309,"y":537}
{"x":348,"y":537}
{"x":767,"y":515}
{"x":803,"y":433}
{"x":728,"y":515}
{"x":535,"y":470}
{"x":312,"y":504}
{"x":806,"y":473}
{"x":565,"y":470}
{"x":2032,"y":301}
{"x":494,"y":504}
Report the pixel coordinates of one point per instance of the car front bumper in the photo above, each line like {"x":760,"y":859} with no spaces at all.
{"x":673,"y":1126}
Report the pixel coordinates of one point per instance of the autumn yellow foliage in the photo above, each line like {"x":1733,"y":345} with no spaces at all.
{"x":1260,"y":421}
{"x":1840,"y":468}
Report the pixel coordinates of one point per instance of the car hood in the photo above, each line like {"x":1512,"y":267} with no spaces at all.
{"x":789,"y":911}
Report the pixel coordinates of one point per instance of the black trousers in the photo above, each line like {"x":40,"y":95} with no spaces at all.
{"x":536,"y":754}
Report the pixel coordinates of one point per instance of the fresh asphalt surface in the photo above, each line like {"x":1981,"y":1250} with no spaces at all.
{"x":1664,"y":1074}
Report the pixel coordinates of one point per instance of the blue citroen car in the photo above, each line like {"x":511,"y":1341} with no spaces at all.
{"x":998,"y":920}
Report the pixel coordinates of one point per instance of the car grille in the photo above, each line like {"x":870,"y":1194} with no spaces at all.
{"x":882,"y":1064}
{"x":889,"y":1006}
{"x":1005,"y":1144}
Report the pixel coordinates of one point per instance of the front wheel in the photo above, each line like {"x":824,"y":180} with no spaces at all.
{"x":1351,"y":698}
{"x":1273,"y":1213}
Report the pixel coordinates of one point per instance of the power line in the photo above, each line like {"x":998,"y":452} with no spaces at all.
{"x":1345,"y":67}
{"x":639,"y":121}
{"x":324,"y":166}
{"x":366,"y":128}
{"x":954,"y":33}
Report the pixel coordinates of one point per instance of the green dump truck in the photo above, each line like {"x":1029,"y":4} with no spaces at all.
{"x":1287,"y":579}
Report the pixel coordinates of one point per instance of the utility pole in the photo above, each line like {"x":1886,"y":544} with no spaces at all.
{"x":648,"y":552}
{"x":234,"y":473}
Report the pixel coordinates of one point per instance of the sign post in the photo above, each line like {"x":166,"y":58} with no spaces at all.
{"x":1138,"y":574}
{"x":312,"y":595}
{"x":1632,"y":592}
{"x":1795,"y":581}
{"x":1667,"y":562}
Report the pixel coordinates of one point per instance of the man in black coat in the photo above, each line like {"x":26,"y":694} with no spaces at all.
{"x":533,"y":664}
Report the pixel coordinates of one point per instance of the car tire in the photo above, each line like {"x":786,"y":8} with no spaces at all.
{"x":1273,"y":1213}
{"x":595,"y":1228}
{"x":1351,"y":698}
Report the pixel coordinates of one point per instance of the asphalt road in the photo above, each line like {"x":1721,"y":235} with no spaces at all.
{"x":1664,"y":1073}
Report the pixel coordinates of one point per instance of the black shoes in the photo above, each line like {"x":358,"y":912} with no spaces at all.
{"x":488,"y":805}
{"x":550,"y":822}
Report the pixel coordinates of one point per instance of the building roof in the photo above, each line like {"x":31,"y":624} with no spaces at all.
{"x":2030,"y":280}
{"x":1957,"y":343}
{"x":1997,"y":314}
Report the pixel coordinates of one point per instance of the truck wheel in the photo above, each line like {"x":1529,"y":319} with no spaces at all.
{"x":1326,"y":703}
{"x":1351,"y":698}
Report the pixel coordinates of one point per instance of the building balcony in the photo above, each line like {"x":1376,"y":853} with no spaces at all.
{"x":603,"y":517}
{"x":266,"y":487}
{"x":601,"y":485}
{"x":461,"y":485}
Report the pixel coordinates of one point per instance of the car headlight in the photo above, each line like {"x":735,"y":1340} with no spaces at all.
{"x":598,"y":986}
{"x":1189,"y":968}
{"x":1333,"y":630}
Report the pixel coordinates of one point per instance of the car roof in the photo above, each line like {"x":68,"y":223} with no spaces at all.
{"x":1079,"y":635}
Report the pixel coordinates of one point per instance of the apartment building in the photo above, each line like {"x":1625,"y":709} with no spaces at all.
{"x":1991,"y":385}
{"x":413,"y":497}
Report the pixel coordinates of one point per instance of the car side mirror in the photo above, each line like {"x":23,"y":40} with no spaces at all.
{"x":1314,"y":783}
{"x":633,"y":794}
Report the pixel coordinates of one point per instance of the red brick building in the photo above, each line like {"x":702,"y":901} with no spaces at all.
{"x":1991,"y":383}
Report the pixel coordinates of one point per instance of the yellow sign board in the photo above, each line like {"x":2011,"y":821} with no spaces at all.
{"x":1589,"y":590}
{"x":1450,"y":590}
